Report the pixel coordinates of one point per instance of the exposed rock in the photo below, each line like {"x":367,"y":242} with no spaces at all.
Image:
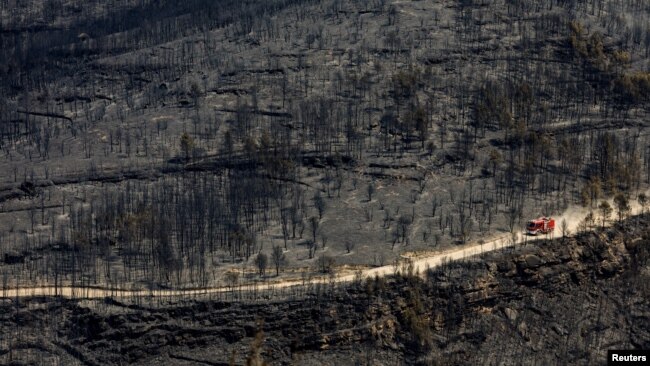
{"x":608,"y":268}
{"x":523,"y":330}
{"x":559,"y":329}
{"x":532,"y":261}
{"x":506,"y":266}
{"x":511,"y":314}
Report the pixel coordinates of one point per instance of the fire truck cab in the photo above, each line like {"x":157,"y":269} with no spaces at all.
{"x":542,"y":225}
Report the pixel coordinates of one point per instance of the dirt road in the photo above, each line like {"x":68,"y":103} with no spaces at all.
{"x":573,"y":216}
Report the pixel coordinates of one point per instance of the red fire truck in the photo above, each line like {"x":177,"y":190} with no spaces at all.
{"x":542,"y":225}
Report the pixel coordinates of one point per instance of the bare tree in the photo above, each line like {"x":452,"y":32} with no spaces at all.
{"x":590,"y":219}
{"x":187,"y":145}
{"x":314,"y":224}
{"x":261,"y":261}
{"x":436,"y":238}
{"x":326,"y":263}
{"x":311,"y":246}
{"x":404,"y":223}
{"x":323,"y":238}
{"x":320,"y":205}
{"x":435,"y":202}
{"x":278,"y":258}
{"x":349,"y":245}
{"x":564,"y":227}
{"x":464,"y":227}
{"x":284,"y":220}
{"x":643,"y":200}
{"x":513,"y":214}
{"x":232,"y":277}
{"x":605,"y":211}
{"x":622,"y":206}
{"x":370,"y":191}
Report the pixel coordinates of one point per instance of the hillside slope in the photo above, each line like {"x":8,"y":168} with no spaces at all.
{"x":163,"y":145}
{"x":559,"y":302}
